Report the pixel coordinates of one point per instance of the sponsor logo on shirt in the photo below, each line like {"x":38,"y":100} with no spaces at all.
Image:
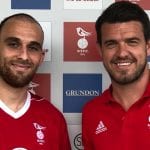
{"x":100,"y":128}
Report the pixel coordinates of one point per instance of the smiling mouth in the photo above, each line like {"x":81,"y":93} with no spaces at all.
{"x":21,"y":67}
{"x":123,"y":64}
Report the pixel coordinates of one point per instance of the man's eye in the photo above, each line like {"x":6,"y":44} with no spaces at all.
{"x":13,"y":45}
{"x":34,"y":49}
{"x":110,"y":45}
{"x":133,"y":43}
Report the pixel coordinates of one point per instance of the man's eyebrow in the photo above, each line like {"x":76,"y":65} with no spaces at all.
{"x":9,"y":39}
{"x":109,"y":41}
{"x":35,"y":43}
{"x":133,"y":38}
{"x":127,"y":39}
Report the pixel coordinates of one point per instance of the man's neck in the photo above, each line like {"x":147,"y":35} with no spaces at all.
{"x":13,"y":98}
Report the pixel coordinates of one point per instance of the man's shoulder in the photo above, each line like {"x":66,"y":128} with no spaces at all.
{"x":44,"y":105}
{"x":97,"y":102}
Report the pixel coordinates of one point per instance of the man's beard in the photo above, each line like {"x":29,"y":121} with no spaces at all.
{"x":17,"y":79}
{"x":125,"y":78}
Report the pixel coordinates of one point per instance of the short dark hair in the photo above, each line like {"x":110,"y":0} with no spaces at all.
{"x":20,"y":16}
{"x":123,"y":11}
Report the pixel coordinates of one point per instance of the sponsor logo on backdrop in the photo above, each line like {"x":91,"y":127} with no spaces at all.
{"x":82,"y":4}
{"x":78,"y":142}
{"x":40,"y":85}
{"x":82,"y":0}
{"x":82,"y":42}
{"x":143,"y":3}
{"x":78,"y":89}
{"x":30,"y":4}
{"x":82,"y":92}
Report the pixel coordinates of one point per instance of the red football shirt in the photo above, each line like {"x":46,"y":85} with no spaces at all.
{"x":36,"y":126}
{"x":107,"y":126}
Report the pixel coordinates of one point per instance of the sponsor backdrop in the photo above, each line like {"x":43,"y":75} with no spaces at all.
{"x":72,"y":72}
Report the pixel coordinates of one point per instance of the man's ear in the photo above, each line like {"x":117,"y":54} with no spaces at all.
{"x":98,"y":47}
{"x":148,"y":48}
{"x":43,"y":55}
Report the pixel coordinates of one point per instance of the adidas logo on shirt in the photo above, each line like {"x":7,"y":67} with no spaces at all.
{"x":100,"y":128}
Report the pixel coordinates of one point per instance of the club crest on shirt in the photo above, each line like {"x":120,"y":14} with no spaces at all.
{"x":40,"y":133}
{"x":19,"y":148}
{"x":148,"y":124}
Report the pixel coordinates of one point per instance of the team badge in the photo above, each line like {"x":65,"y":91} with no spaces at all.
{"x":40,"y":133}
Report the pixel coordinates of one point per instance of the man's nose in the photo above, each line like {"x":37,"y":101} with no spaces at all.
{"x":122,"y":49}
{"x":23,"y":53}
